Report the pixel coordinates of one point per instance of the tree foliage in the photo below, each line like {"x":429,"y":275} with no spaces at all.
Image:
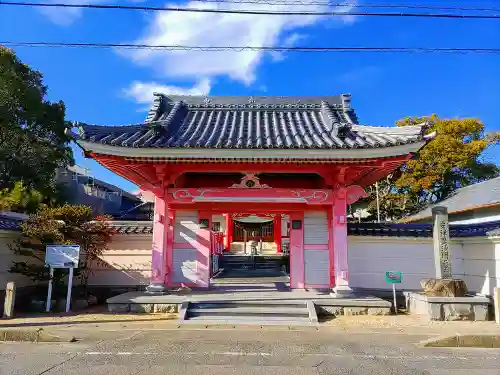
{"x":67,"y":224}
{"x":453,"y":159}
{"x":33,"y":142}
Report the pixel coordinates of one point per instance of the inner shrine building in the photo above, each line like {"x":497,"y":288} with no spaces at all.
{"x":271,"y":175}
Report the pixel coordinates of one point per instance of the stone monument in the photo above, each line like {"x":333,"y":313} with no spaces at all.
{"x":443,"y":285}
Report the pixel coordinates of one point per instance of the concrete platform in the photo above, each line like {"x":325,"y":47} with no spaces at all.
{"x":262,"y":293}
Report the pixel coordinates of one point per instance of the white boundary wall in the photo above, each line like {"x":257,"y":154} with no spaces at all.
{"x":475,"y":260}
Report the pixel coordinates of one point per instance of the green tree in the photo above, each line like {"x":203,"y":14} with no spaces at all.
{"x":33,"y":141}
{"x":67,"y":224}
{"x":453,"y":159}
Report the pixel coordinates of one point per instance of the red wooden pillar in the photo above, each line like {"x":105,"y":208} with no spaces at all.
{"x":227,"y":240}
{"x":229,"y":232}
{"x":297,"y":269}
{"x":160,"y":242}
{"x":203,"y":246}
{"x":339,"y":223}
{"x":277,"y":232}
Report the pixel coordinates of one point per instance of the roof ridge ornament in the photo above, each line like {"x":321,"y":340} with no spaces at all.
{"x":157,"y":108}
{"x":207,"y":101}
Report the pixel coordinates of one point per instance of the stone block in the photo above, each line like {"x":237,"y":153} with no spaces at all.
{"x":379,"y":311}
{"x":118,"y":307}
{"x":481,"y":312}
{"x":435,"y":311}
{"x":141,"y":307}
{"x":329,"y":310}
{"x":458,"y":311}
{"x":166,"y":308}
{"x":350,"y":311}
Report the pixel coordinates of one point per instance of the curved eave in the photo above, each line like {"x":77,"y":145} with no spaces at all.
{"x":283,"y":153}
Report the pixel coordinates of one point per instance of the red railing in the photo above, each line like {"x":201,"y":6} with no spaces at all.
{"x":217,"y":242}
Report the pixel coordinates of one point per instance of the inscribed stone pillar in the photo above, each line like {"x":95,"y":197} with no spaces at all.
{"x":441,"y":240}
{"x":160,"y":231}
{"x":443,"y":285}
{"x":340,"y":261}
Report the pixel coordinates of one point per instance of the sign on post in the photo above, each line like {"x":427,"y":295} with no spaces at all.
{"x":61,"y":256}
{"x":393,"y":277}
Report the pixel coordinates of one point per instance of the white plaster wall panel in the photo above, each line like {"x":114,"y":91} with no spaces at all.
{"x":7,"y":256}
{"x":186,"y":225}
{"x":315,"y":228}
{"x":184,"y":265}
{"x":127,"y":262}
{"x":481,"y":270}
{"x":370,"y":257}
{"x":317,"y":267}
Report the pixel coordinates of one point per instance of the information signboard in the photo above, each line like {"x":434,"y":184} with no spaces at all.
{"x":62,"y":256}
{"x":392,"y":277}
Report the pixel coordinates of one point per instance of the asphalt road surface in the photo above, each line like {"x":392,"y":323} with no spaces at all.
{"x":244,"y":352}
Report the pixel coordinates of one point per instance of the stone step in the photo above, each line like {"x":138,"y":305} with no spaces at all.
{"x":268,"y":320}
{"x":251,"y":312}
{"x":296,"y":322}
{"x":243,"y":310}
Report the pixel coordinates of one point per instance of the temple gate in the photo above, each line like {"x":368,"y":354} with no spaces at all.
{"x":300,"y":158}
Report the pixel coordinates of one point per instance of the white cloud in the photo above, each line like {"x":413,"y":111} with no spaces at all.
{"x":210,"y":29}
{"x":142,"y":92}
{"x":66,"y":16}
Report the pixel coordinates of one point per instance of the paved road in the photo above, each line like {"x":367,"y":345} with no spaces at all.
{"x":242,"y":352}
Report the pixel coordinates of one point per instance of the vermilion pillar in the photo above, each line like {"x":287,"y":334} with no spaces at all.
{"x":160,"y":239}
{"x":277,"y":232}
{"x":227,"y":242}
{"x":339,"y":222}
{"x":229,"y":231}
{"x":297,"y":270}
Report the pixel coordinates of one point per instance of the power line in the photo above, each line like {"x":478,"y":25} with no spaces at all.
{"x":256,"y":48}
{"x":252,"y":12}
{"x":347,"y":5}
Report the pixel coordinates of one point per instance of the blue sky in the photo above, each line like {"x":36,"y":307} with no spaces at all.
{"x":106,"y":86}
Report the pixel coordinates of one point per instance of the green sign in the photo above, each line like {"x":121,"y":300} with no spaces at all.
{"x":392,"y":277}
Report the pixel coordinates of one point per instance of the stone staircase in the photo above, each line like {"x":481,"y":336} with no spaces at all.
{"x":271,"y":312}
{"x":242,"y":262}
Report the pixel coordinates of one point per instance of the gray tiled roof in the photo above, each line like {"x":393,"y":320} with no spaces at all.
{"x":478,"y":195}
{"x":251,"y":122}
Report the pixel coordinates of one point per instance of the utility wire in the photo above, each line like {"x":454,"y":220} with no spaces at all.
{"x":347,"y":5}
{"x":253,"y":12}
{"x":256,"y":48}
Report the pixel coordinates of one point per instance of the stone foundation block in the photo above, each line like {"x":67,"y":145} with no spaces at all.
{"x":435,"y":311}
{"x":472,"y":308}
{"x":481,"y":312}
{"x":351,"y":311}
{"x":379,"y":311}
{"x":166,"y":308}
{"x":118,"y":307}
{"x":329,"y":310}
{"x":141,"y":307}
{"x":455,"y":311}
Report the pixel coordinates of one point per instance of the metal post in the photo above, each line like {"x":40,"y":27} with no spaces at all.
{"x":70,"y":286}
{"x":378,"y":203}
{"x":49,"y":290}
{"x":394,"y":295}
{"x":496,"y":295}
